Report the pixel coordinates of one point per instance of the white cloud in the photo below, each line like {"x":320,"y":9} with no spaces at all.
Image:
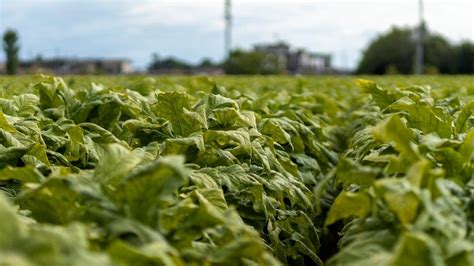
{"x":207,"y":14}
{"x":342,"y":27}
{"x":337,"y":26}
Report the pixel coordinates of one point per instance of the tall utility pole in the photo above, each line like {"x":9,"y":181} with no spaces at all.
{"x":228,"y":28}
{"x":419,"y":40}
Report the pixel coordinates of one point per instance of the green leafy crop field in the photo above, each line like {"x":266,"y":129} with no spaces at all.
{"x":237,"y":170}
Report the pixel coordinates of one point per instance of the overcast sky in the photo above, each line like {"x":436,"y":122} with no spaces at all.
{"x":192,"y":30}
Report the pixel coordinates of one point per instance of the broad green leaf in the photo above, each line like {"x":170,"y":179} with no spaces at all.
{"x":462,"y":120}
{"x":176,"y":107}
{"x":393,"y":131}
{"x":231,"y":118}
{"x":12,"y":179}
{"x":417,"y":249}
{"x":382,"y":97}
{"x":155,"y":253}
{"x":418,"y":172}
{"x":190,"y":146}
{"x":350,"y":173}
{"x":116,"y":162}
{"x":11,"y":227}
{"x":10,"y":156}
{"x":349,"y":204}
{"x":400,"y":198}
{"x":237,"y":141}
{"x":5,"y":125}
{"x":427,"y":118}
{"x":151,"y":187}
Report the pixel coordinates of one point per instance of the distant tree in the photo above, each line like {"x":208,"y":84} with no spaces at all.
{"x":167,"y":63}
{"x":39,"y":59}
{"x":11,"y":48}
{"x":206,"y":62}
{"x":393,"y":50}
{"x":439,"y":55}
{"x":396,"y":50}
{"x":391,"y":70}
{"x":464,"y":54}
{"x":431,"y":70}
{"x":242,"y":62}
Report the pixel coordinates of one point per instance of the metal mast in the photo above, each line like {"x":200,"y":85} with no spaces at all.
{"x":228,"y":28}
{"x":419,"y":41}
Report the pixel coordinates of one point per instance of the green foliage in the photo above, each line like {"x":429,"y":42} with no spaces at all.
{"x":464,"y":54}
{"x":242,"y":62}
{"x":11,"y":48}
{"x":395,"y":49}
{"x":394,"y":52}
{"x":263,"y":171}
{"x":417,"y":208}
{"x":158,"y":63}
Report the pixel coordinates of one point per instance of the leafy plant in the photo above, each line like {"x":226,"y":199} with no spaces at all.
{"x":206,"y":174}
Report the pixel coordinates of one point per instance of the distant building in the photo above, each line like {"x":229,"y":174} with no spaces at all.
{"x":280,"y":49}
{"x":65,"y":66}
{"x":298,"y":61}
{"x":96,"y":66}
{"x":304,"y":62}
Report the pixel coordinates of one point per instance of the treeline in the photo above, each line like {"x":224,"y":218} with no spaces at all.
{"x":239,"y":62}
{"x":390,"y":53}
{"x":394,"y":53}
{"x":172,"y":63}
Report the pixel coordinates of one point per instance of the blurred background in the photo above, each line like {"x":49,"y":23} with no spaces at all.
{"x":218,"y":37}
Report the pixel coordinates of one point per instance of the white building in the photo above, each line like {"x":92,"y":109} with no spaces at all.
{"x":298,"y":61}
